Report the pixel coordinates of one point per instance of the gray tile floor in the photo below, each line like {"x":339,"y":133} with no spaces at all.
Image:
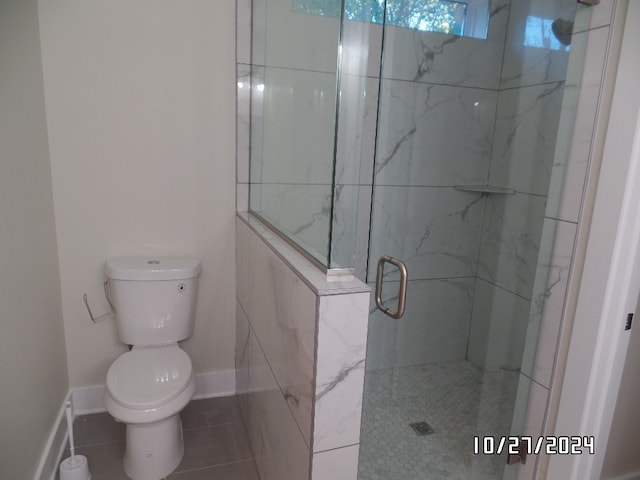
{"x":216,"y":443}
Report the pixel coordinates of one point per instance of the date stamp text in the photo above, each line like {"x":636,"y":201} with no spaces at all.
{"x":549,"y":445}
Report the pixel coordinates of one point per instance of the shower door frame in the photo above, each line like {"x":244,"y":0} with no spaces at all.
{"x":587,"y":402}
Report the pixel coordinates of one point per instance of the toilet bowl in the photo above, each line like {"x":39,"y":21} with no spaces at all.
{"x":147,"y":388}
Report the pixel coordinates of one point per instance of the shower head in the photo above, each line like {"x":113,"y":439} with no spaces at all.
{"x":562,"y":30}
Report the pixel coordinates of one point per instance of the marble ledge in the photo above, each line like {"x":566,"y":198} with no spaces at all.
{"x":317,"y":280}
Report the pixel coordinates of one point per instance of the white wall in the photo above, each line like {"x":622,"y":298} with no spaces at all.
{"x":622,"y":448}
{"x":32,"y":350}
{"x":140,"y":101}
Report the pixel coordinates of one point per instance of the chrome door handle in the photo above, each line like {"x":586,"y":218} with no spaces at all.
{"x":402,"y":292}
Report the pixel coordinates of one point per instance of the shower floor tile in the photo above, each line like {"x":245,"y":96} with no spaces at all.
{"x":216,"y":443}
{"x":457,"y":399}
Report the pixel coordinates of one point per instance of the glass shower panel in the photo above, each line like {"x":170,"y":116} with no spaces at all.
{"x":358,"y":94}
{"x":465,"y":146}
{"x":293,"y":118}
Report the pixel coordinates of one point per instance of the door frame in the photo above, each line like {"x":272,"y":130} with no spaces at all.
{"x":610,"y":283}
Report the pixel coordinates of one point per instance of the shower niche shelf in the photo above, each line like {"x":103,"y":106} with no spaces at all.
{"x":485,"y":189}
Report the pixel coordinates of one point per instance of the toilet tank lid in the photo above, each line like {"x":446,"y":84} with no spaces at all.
{"x":152,"y":268}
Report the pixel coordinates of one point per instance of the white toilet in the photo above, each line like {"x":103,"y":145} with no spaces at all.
{"x":147,"y":387}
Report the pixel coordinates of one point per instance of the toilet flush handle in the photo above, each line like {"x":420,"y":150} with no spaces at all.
{"x":108,"y":314}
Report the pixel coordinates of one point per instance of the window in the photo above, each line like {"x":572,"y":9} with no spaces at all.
{"x":445,"y":16}
{"x":428,"y":16}
{"x":539,"y":33}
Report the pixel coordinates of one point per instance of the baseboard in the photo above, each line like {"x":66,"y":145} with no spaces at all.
{"x":215,"y":384}
{"x":86,"y":400}
{"x":54,"y":449}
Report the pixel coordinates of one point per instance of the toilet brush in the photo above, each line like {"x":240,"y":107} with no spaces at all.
{"x":75,"y":467}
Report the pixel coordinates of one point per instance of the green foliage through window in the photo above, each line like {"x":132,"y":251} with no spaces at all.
{"x":443,"y":16}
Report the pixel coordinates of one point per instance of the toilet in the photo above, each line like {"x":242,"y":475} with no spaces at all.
{"x":148,"y":386}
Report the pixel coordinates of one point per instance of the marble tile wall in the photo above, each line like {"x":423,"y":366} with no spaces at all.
{"x":306,"y":222}
{"x":292,"y":72}
{"x":340,"y":357}
{"x":525,"y":63}
{"x":528,"y":114}
{"x":355,"y":146}
{"x":438,"y":101}
{"x":279,"y":449}
{"x":435,"y":326}
{"x":446,"y":59}
{"x":300,"y":355}
{"x":416,"y":144}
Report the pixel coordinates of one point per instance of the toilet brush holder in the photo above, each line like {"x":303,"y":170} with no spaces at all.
{"x":75,"y":468}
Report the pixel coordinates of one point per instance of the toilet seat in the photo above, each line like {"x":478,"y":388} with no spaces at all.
{"x":148,"y":383}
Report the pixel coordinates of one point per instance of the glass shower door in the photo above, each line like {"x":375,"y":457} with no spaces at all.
{"x":470,"y":98}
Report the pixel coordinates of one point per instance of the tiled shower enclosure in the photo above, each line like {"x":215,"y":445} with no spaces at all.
{"x":465,"y":157}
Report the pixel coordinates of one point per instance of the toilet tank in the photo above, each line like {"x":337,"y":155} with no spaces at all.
{"x":154,"y":298}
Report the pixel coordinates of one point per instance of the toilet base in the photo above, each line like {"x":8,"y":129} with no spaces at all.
{"x":153,"y":450}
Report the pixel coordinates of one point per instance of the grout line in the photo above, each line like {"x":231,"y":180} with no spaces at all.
{"x":202,"y":427}
{"x":208,"y":467}
{"x":93,"y":445}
